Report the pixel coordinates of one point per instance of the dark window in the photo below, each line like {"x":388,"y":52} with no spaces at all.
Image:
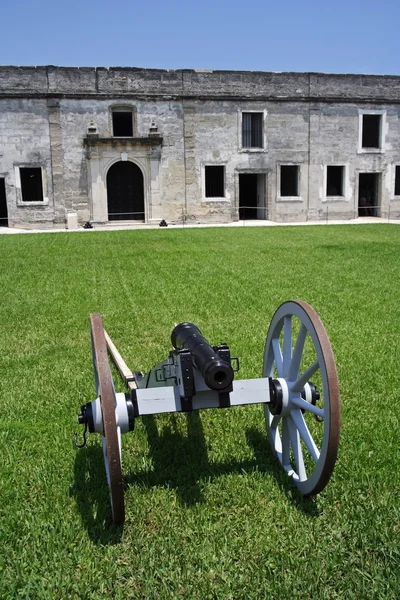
{"x":122,"y":123}
{"x":252,"y":130}
{"x":371,"y":131}
{"x":31,"y":184}
{"x":215,"y":184}
{"x":397,"y":181}
{"x":289,"y":180}
{"x":335,"y":181}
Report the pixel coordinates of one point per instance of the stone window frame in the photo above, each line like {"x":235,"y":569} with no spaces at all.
{"x":263,"y":111}
{"x":280,"y":198}
{"x":346,"y":183}
{"x":209,"y":163}
{"x":381,"y":149}
{"x":123,"y":107}
{"x":18,"y":189}
{"x":393,"y":196}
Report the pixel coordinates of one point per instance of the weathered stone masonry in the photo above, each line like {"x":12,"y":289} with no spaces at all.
{"x":188,"y":152}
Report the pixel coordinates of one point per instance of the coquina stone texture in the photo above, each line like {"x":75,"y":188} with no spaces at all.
{"x":60,"y":120}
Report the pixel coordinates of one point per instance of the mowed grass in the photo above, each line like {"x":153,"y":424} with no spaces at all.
{"x":209,"y":512}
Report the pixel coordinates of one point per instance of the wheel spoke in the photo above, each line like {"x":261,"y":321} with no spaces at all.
{"x":297,"y":450}
{"x":285,"y":443}
{"x":287,"y":344}
{"x":275,"y":438}
{"x":297,"y":354}
{"x":119,"y":443}
{"x":275,"y":421}
{"x":304,"y":432}
{"x":307,"y":406}
{"x":305,"y":377}
{"x":278,"y":356}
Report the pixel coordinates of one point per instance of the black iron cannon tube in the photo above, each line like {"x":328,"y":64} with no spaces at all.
{"x":217,"y":373}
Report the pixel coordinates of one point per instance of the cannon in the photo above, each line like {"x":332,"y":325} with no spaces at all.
{"x":298,"y":390}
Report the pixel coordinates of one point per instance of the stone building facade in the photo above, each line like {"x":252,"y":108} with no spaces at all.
{"x":113,"y":144}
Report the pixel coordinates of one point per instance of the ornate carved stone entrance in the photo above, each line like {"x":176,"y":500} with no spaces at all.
{"x":124,"y":178}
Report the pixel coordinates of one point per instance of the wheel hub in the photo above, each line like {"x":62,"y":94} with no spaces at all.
{"x":276,"y":397}
{"x":86,"y":416}
{"x":276,"y":393}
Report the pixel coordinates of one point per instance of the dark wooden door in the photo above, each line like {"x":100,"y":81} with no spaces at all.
{"x":3,"y":204}
{"x":125,"y":192}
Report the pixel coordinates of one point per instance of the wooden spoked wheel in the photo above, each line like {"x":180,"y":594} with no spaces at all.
{"x":111,"y":433}
{"x":304,"y":428}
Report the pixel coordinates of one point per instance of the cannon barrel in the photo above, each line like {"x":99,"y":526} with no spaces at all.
{"x":217,"y":373}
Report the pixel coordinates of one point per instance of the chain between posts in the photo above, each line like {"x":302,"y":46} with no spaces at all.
{"x":239,"y":214}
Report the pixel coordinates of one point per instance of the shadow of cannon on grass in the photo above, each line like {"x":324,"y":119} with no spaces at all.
{"x":180,"y":462}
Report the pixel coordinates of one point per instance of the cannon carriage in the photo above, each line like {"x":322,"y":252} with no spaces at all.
{"x":298,"y":389}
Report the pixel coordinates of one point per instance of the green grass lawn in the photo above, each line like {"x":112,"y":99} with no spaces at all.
{"x":209,"y":512}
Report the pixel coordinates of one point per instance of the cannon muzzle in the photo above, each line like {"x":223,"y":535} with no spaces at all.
{"x":217,"y":373}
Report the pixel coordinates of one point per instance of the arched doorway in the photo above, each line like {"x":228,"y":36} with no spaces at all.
{"x":125,"y":192}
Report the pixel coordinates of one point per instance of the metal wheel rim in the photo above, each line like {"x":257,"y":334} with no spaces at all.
{"x":111,"y":439}
{"x":292,"y":423}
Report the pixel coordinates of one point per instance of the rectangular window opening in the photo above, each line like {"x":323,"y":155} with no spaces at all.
{"x":397,"y":181}
{"x":31,"y":184}
{"x":122,"y":123}
{"x":371,"y":131}
{"x":252,"y":130}
{"x":289,"y":180}
{"x":215,"y":181}
{"x":335,"y":181}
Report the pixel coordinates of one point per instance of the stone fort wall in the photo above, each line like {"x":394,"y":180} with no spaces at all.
{"x":310,"y":120}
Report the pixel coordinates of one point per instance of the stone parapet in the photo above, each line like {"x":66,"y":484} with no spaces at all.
{"x":130,"y":82}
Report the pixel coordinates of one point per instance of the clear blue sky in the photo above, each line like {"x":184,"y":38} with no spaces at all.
{"x":297,"y":35}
